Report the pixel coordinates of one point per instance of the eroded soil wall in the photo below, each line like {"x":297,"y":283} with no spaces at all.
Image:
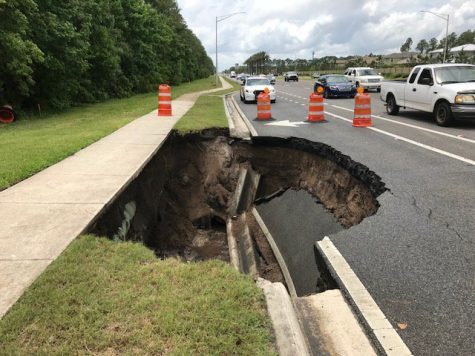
{"x":181,"y":198}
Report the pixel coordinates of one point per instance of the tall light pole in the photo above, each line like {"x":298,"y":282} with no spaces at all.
{"x":446,"y":18}
{"x":219,"y":19}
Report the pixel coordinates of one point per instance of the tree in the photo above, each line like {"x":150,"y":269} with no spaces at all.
{"x":466,"y":37}
{"x":422,"y":46}
{"x":451,"y":41}
{"x":461,"y":57}
{"x":19,"y":53}
{"x":62,"y":53}
{"x":433,"y":44}
{"x":406,"y":47}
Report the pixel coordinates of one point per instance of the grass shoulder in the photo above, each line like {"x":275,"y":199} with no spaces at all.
{"x":207,"y":112}
{"x":104,"y":297}
{"x":34,"y":143}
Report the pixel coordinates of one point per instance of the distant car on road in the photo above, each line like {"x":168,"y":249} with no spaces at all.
{"x":271,"y":78}
{"x":335,"y":85}
{"x":364,"y":77}
{"x":253,"y":86}
{"x":243,"y":77}
{"x":288,"y":76}
{"x":233,"y":74}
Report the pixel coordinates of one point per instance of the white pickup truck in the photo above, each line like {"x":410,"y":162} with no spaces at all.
{"x":446,"y":90}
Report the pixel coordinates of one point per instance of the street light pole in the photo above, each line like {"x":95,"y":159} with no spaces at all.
{"x":219,"y":19}
{"x":446,"y":18}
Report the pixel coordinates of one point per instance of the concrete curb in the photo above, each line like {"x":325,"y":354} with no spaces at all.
{"x":232,"y":127}
{"x":385,"y":337}
{"x":289,"y":337}
{"x":277,"y":254}
{"x":243,"y":117}
{"x":241,"y":248}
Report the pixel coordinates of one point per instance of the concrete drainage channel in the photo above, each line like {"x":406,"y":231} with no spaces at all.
{"x":196,"y":199}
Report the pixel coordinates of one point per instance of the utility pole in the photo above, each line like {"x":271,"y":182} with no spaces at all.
{"x":446,"y":18}
{"x":219,"y":19}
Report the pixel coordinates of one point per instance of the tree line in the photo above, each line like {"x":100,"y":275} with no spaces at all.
{"x":453,"y":40}
{"x":62,"y":53}
{"x":261,"y":62}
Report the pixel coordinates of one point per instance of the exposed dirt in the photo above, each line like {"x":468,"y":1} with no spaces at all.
{"x":183,"y":194}
{"x":267,"y":263}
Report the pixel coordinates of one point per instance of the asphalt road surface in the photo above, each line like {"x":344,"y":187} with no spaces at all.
{"x":416,"y":256}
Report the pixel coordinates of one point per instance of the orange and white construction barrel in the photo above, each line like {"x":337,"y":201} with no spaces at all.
{"x":264,"y":106}
{"x":362,"y":112}
{"x":164,"y":100}
{"x":315,"y":107}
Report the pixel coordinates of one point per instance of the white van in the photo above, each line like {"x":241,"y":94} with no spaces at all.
{"x":233,"y":74}
{"x":365,"y":77}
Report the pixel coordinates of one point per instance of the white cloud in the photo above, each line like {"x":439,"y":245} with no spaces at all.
{"x":294,"y":29}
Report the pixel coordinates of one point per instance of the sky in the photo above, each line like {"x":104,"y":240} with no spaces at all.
{"x":296,"y":28}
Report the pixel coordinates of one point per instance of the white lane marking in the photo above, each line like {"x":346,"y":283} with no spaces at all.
{"x":303,"y":104}
{"x":287,"y":123}
{"x":415,"y":143}
{"x":380,"y":327}
{"x":413,"y":126}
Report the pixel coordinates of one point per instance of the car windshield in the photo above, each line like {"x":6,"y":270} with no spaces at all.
{"x":367,"y":72}
{"x":455,"y":74}
{"x":291,"y":73}
{"x":337,"y":79}
{"x":262,"y":81}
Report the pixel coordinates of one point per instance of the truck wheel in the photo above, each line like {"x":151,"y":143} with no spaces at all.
{"x":391,"y":107}
{"x":443,"y":114}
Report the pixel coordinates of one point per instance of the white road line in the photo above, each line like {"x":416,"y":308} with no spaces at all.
{"x":413,"y":126}
{"x":380,"y":328}
{"x":412,"y":142}
{"x":303,"y":104}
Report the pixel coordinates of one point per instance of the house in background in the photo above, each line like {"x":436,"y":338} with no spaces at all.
{"x":399,"y":57}
{"x":467,"y":49}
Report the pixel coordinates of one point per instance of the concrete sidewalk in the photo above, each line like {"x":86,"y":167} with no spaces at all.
{"x":43,"y":214}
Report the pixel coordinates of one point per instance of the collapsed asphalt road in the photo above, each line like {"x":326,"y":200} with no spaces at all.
{"x":416,"y":255}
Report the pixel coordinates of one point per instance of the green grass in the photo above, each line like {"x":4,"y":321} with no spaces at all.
{"x":34,"y":143}
{"x":394,"y":76}
{"x":102,"y":297}
{"x":208,"y":111}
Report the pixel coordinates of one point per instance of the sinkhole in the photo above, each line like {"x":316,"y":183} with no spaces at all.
{"x":201,"y":188}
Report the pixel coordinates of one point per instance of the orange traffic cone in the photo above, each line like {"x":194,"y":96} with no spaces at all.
{"x":362,"y":117}
{"x":7,"y":115}
{"x":263,"y":106}
{"x":315,"y":107}
{"x":164,"y":100}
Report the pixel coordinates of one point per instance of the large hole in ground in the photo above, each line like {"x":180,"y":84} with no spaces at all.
{"x":180,"y":203}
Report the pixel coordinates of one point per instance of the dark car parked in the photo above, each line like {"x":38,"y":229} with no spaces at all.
{"x":291,"y":76}
{"x":335,"y":85}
